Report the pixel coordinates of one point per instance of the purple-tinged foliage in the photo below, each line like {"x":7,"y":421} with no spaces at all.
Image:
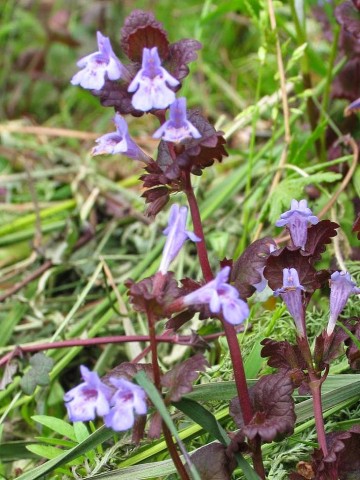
{"x":318,"y":236}
{"x":287,"y":257}
{"x":283,"y":355}
{"x":127,"y":371}
{"x":151,"y":85}
{"x":348,"y":15}
{"x":127,"y":399}
{"x":347,"y":83}
{"x":353,"y":352}
{"x":177,"y":128}
{"x":98,"y":66}
{"x":214,"y":462}
{"x":221,"y":298}
{"x":341,"y":287}
{"x":179,"y":381}
{"x":297,"y":219}
{"x":272,"y":402}
{"x":356,"y":226}
{"x":141,"y":30}
{"x":247,"y":271}
{"x":291,"y":294}
{"x":329,"y":348}
{"x":177,"y":235}
{"x":146,"y":294}
{"x":342,"y":461}
{"x":88,"y":399}
{"x":119,"y":142}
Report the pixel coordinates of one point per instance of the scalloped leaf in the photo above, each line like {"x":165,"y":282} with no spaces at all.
{"x":141,"y":30}
{"x":180,"y":379}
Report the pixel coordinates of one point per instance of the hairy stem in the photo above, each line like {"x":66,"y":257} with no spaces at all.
{"x":156,"y":371}
{"x":153,"y":345}
{"x":315,"y":387}
{"x":230,"y":332}
{"x":174,"y":454}
{"x":198,"y":229}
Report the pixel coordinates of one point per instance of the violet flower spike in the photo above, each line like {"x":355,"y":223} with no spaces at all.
{"x":341,"y":287}
{"x":291,"y":294}
{"x":151,"y":83}
{"x":221,"y":298}
{"x":178,"y":127}
{"x":296,"y":219}
{"x":88,"y":399}
{"x":176,"y":236}
{"x":119,"y":142}
{"x":97,"y":66}
{"x":127,"y":399}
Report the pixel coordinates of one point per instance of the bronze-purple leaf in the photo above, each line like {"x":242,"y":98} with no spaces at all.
{"x":141,"y":30}
{"x":348,"y":15}
{"x":145,"y":297}
{"x":180,"y":54}
{"x":290,"y":258}
{"x":180,"y":379}
{"x":282,"y":355}
{"x":127,"y":371}
{"x":213,"y":462}
{"x":273,"y":406}
{"x":318,"y":236}
{"x":353,"y":352}
{"x":114,"y":94}
{"x":247,"y":269}
{"x":342,"y":461}
{"x":356,"y":226}
{"x":347,"y":84}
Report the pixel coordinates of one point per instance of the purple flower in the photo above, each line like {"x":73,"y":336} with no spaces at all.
{"x":119,"y":142}
{"x":297,"y":219}
{"x":151,"y":83}
{"x":177,"y":128}
{"x":127,"y":399}
{"x":96,"y":66}
{"x":341,"y":287}
{"x":88,"y":399}
{"x":176,"y":236}
{"x":291,"y":293}
{"x":221,"y":298}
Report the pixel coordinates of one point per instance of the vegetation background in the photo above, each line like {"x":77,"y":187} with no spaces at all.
{"x":54,"y":195}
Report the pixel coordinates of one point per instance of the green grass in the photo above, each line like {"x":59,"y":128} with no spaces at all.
{"x":53,"y":191}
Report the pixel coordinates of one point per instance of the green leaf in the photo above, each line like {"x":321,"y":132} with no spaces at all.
{"x":155,"y":397}
{"x":291,"y":188}
{"x":56,"y":425}
{"x":38,"y":374}
{"x":95,"y":439}
{"x":203,"y":417}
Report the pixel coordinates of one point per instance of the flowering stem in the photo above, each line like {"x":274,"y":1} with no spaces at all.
{"x":315,"y":387}
{"x":195,"y":215}
{"x":156,"y":371}
{"x":230,"y":332}
{"x":153,"y":345}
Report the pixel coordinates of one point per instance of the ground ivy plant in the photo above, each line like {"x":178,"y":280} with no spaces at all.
{"x":136,"y":395}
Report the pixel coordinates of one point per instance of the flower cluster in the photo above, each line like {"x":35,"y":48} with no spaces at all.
{"x":116,"y":405}
{"x":152,"y":89}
